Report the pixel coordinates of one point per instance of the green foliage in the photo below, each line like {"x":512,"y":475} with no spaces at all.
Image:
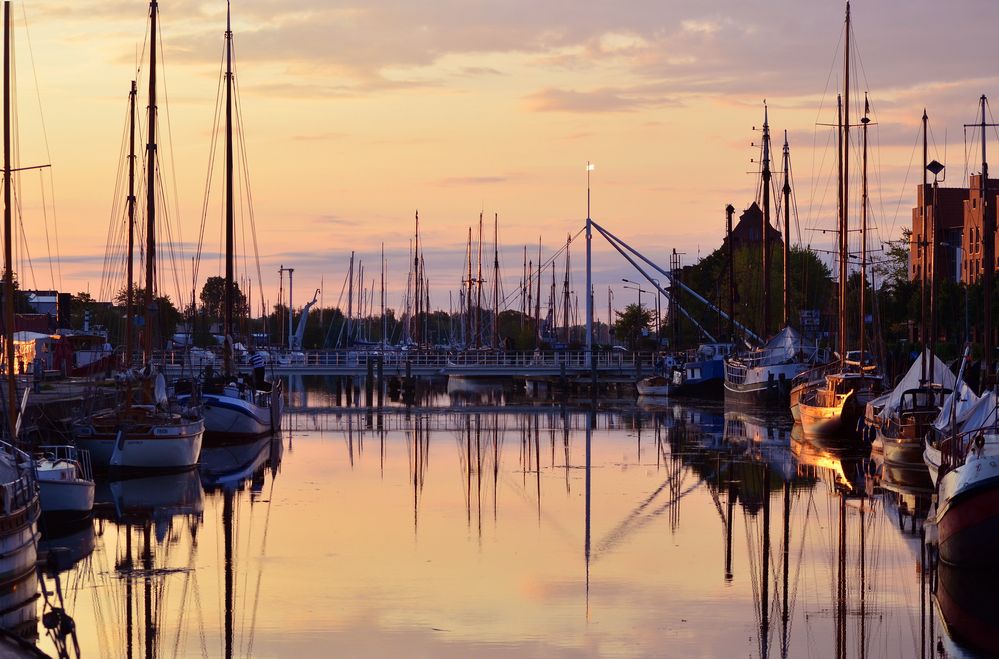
{"x":811,"y":287}
{"x":630,"y":324}
{"x":213,"y":299}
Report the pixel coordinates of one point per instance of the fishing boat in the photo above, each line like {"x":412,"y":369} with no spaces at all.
{"x":702,"y":374}
{"x":763,"y":375}
{"x":833,"y":406}
{"x":152,"y":435}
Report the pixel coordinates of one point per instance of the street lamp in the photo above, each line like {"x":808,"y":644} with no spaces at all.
{"x":636,"y":287}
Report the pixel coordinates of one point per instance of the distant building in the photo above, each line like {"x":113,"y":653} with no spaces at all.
{"x":46,"y":302}
{"x":749,"y":229}
{"x":958,"y":229}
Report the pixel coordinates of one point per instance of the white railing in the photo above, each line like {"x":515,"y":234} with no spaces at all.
{"x":438,"y":360}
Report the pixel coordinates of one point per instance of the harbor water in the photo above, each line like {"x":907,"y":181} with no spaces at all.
{"x":481,"y":523}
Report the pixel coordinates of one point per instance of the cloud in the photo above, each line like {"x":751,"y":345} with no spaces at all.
{"x":607,"y":99}
{"x":474,"y":180}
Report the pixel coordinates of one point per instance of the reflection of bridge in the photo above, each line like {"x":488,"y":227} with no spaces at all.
{"x":432,"y":418}
{"x":484,"y":364}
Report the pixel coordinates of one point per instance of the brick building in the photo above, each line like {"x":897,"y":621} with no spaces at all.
{"x":747,"y":231}
{"x":958,"y":229}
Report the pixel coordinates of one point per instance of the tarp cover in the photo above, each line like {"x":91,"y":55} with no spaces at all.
{"x":783,"y":347}
{"x":980,"y":415}
{"x":941,"y":376}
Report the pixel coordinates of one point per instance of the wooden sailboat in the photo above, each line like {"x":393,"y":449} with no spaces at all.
{"x":19,"y":502}
{"x":833,"y":407}
{"x":151,"y":435}
{"x":236,"y":410}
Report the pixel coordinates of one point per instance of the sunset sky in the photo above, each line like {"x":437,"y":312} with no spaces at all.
{"x":357,"y":114}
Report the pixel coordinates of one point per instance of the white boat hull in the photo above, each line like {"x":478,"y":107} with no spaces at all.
{"x":166,"y":447}
{"x":66,"y":498}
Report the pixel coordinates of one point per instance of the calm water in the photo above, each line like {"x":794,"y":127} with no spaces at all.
{"x":488,"y":531}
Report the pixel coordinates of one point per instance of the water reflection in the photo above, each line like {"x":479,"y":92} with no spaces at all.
{"x":542,"y":531}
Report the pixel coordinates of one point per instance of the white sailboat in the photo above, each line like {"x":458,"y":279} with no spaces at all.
{"x":234,"y":409}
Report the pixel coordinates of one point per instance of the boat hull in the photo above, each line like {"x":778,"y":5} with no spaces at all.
{"x":968,"y":608}
{"x":171,"y":447}
{"x":968,"y":513}
{"x":822,"y":422}
{"x":65,"y":502}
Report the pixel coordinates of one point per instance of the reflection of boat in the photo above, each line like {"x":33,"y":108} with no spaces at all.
{"x":153,"y":497}
{"x":967,"y":602}
{"x":65,"y":551}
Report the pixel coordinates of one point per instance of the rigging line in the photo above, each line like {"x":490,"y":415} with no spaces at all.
{"x":48,"y":153}
{"x":212,"y":150}
{"x":172,"y":163}
{"x":245,"y":161}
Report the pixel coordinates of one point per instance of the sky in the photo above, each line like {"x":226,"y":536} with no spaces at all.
{"x":356,"y":115}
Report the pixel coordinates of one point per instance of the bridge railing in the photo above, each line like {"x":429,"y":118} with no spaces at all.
{"x":427,"y":360}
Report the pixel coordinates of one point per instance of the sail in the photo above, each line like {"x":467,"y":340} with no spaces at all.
{"x":912,"y":380}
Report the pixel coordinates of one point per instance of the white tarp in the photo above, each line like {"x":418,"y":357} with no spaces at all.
{"x":966,"y":401}
{"x":980,"y":415}
{"x":783,"y":347}
{"x":941,"y":376}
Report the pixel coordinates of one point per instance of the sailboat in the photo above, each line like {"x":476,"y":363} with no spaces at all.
{"x":834,"y":405}
{"x":150,"y":435}
{"x":18,"y":488}
{"x":763,"y":375}
{"x":236,"y":410}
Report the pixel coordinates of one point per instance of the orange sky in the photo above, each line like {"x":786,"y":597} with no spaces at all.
{"x":355,"y":115}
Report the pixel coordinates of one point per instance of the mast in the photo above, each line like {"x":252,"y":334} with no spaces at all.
{"x":863,"y":234}
{"x":468,"y":297}
{"x":729,"y":212}
{"x":841,"y":235}
{"x":417,"y":282}
{"x":766,"y":223}
{"x":496,"y":281}
{"x":478,"y":292}
{"x":350,"y":300}
{"x":130,"y":267}
{"x":923,"y":322}
{"x":8,"y":273}
{"x":988,"y":258}
{"x":227,"y":329}
{"x":845,"y":231}
{"x":787,"y":231}
{"x":147,"y":333}
{"x":384,"y":320}
{"x":565,"y":294}
{"x":537,"y":302}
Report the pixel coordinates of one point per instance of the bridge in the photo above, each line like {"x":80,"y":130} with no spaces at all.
{"x":574,"y":364}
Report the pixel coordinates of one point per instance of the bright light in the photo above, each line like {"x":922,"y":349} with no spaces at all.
{"x":590,"y":166}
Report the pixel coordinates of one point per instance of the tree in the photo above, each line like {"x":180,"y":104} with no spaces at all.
{"x":168,"y":317}
{"x":894,"y":268}
{"x":630,"y":324}
{"x":213,"y":299}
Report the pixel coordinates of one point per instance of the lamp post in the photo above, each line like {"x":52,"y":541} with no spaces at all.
{"x":934,"y":168}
